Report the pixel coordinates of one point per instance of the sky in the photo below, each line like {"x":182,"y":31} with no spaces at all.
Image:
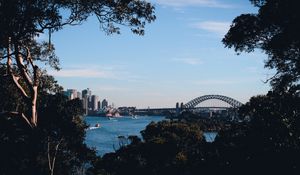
{"x":179,"y":58}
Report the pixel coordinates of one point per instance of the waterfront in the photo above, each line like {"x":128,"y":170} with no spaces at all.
{"x":105,"y":138}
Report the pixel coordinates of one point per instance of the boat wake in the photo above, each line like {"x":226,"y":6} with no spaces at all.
{"x":93,"y":127}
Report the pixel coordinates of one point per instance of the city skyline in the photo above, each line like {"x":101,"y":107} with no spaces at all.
{"x":180,"y":57}
{"x":91,"y":103}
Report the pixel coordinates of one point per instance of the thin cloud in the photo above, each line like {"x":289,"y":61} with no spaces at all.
{"x":216,"y":27}
{"x":223,"y":82}
{"x":82,"y":73}
{"x":111,"y":89}
{"x":201,"y":3}
{"x":116,"y":72}
{"x":215,"y":82}
{"x":190,"y":61}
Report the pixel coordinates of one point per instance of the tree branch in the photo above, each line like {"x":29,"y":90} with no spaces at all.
{"x":9,"y":71}
{"x":17,"y":114}
{"x":34,"y":67}
{"x":51,"y":163}
{"x":21,"y":89}
{"x":22,"y":68}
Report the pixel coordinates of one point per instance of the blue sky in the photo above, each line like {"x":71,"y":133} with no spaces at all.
{"x":179,"y":58}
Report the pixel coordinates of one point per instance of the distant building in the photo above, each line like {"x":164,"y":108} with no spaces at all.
{"x":71,"y":93}
{"x":94,"y":102}
{"x":99,"y":105}
{"x":86,"y":92}
{"x":79,"y":95}
{"x":104,"y":103}
{"x":66,"y":93}
{"x":181,"y":105}
{"x":85,"y":104}
{"x":177,"y":109}
{"x":86,"y":99}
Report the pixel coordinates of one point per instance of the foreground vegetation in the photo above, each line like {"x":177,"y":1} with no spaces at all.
{"x":41,"y":132}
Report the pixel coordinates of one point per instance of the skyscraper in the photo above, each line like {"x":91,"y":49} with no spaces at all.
{"x":79,"y":95}
{"x":94,"y":102}
{"x":99,"y":105}
{"x":86,"y":96}
{"x":71,"y":93}
{"x":86,"y":92}
{"x":104,"y":103}
{"x":85,"y":104}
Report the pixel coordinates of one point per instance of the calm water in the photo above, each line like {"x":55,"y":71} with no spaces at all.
{"x":105,"y":139}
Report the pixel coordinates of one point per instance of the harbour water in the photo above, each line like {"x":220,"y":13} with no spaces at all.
{"x":105,"y":138}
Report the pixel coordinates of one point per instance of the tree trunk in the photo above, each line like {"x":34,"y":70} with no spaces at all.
{"x":31,"y":82}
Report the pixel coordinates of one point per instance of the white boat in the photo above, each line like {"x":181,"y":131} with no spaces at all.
{"x":134,"y":117}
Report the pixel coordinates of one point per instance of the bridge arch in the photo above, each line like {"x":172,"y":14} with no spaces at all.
{"x":193,"y":103}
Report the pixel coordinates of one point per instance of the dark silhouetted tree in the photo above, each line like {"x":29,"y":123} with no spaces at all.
{"x":22,"y":21}
{"x":274,"y":30}
{"x":167,"y":148}
{"x":56,"y":146}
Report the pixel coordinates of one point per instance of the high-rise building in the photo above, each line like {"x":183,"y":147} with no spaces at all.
{"x":85,"y":104}
{"x":71,"y":93}
{"x":86,"y":92}
{"x":86,"y":99}
{"x":99,"y":105}
{"x":79,"y":95}
{"x":94,"y":102}
{"x":104,"y":103}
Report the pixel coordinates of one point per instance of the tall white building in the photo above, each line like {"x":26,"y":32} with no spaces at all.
{"x":94,"y":102}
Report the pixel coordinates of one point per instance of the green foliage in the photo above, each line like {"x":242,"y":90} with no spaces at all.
{"x":25,"y":150}
{"x":275,"y":118}
{"x":61,"y":123}
{"x":275,"y":30}
{"x":22,"y":20}
{"x":172,"y":132}
{"x":166,"y":149}
{"x":10,"y":98}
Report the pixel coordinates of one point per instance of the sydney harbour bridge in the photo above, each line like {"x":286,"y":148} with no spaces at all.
{"x":194,"y":105}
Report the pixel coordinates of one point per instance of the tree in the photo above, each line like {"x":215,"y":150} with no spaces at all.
{"x":22,"y":21}
{"x":275,"y":30}
{"x":166,"y":148}
{"x":56,"y":146}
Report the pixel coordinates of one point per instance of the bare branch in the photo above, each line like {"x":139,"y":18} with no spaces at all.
{"x":17,"y":114}
{"x":271,"y":78}
{"x":27,"y":121}
{"x":21,"y":89}
{"x":48,"y":154}
{"x":9,"y":71}
{"x":22,"y":68}
{"x":9,"y":61}
{"x":8,"y":55}
{"x":51,"y":163}
{"x":55,"y":154}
